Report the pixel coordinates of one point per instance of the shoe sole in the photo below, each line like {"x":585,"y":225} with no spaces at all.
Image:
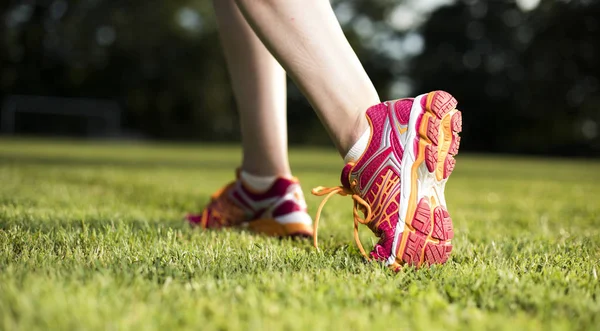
{"x":427,"y":163}
{"x":268,"y":227}
{"x":272,"y":228}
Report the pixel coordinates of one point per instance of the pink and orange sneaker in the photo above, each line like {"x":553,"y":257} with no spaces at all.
{"x":278,"y":211}
{"x":398,"y":182}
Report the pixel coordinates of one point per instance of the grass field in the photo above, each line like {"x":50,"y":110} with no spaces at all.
{"x":91,"y":237}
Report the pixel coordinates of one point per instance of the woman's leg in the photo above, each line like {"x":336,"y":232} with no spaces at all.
{"x":265,"y":198}
{"x":259,"y":86}
{"x":306,"y":38}
{"x":399,"y":155}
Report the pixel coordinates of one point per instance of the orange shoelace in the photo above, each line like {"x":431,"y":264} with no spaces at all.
{"x":359,"y":202}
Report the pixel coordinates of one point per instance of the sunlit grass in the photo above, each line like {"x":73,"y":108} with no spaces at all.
{"x":91,"y":237}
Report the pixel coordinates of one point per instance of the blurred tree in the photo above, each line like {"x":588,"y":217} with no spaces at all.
{"x":526,"y":80}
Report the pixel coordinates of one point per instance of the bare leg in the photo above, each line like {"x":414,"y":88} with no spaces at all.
{"x":259,"y":86}
{"x":306,"y":38}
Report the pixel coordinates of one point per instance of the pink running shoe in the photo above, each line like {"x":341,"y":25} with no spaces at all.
{"x":398,"y":183}
{"x":279,"y":211}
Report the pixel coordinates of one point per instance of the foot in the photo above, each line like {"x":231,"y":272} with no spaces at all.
{"x":278,"y":211}
{"x":398,"y":182}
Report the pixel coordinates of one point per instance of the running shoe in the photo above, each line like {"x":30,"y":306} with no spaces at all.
{"x":278,"y":211}
{"x":398,"y":182}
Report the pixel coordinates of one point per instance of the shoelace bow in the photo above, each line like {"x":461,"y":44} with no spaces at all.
{"x":328,"y":192}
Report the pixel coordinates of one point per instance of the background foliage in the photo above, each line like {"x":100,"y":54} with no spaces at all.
{"x":527,"y":79}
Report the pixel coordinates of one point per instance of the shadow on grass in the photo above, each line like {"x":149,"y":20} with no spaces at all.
{"x":135,"y":227}
{"x":331,"y":246}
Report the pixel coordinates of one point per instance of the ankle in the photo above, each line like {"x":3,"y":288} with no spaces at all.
{"x":359,"y":138}
{"x":358,"y":148}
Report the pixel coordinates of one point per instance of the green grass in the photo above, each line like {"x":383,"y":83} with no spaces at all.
{"x":91,"y":237}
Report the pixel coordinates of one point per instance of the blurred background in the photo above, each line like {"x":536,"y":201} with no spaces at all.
{"x":526,"y":73}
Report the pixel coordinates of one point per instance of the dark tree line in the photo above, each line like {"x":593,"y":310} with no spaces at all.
{"x":527,"y":81}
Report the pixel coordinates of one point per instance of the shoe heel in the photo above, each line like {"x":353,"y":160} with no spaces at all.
{"x":430,"y":232}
